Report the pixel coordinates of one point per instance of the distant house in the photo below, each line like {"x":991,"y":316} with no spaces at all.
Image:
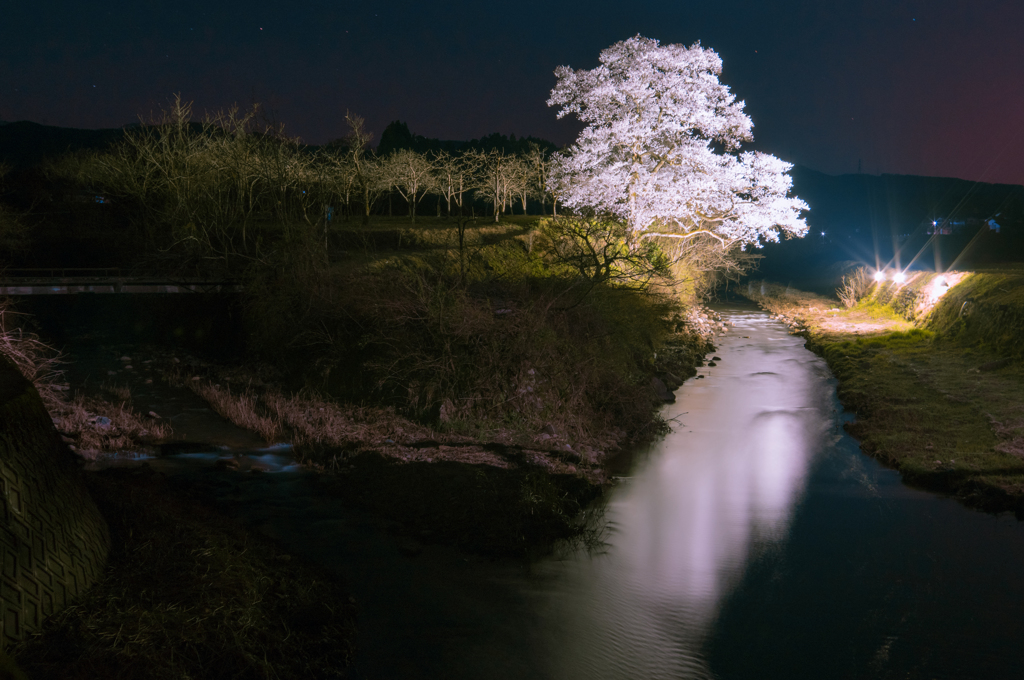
{"x":949,"y":226}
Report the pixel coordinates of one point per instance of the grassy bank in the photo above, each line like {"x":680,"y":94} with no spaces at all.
{"x":937,"y":387}
{"x":498,"y":338}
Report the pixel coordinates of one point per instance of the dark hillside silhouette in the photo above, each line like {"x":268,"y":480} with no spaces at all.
{"x":397,"y":136}
{"x":869,"y":218}
{"x":24,"y":144}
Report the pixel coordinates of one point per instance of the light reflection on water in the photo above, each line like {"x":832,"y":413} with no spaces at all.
{"x":271,"y":459}
{"x":723,"y":482}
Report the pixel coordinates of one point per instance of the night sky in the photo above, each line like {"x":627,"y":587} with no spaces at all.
{"x":922,"y":87}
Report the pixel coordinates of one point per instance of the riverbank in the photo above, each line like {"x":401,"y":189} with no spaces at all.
{"x":466,"y":397}
{"x":498,"y":493}
{"x":937,"y":389}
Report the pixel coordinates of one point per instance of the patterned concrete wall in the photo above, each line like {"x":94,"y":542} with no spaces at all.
{"x":53,"y":540}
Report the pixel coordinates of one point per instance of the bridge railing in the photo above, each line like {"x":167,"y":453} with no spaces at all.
{"x":63,"y":273}
{"x":57,"y":280}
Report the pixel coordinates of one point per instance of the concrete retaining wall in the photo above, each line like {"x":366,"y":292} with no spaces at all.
{"x":53,"y":540}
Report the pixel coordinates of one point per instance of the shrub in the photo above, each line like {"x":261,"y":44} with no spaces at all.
{"x":855,"y":286}
{"x":505,"y":350}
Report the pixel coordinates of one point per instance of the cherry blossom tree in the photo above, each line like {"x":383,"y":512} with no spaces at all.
{"x":660,"y":150}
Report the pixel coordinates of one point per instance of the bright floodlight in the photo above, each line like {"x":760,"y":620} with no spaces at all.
{"x":879,"y":276}
{"x":939,"y":288}
{"x":899,"y":277}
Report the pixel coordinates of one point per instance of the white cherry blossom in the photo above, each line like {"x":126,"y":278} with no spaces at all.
{"x":660,"y":151}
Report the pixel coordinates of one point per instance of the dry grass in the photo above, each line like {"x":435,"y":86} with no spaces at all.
{"x":854,"y":287}
{"x":325,"y":433}
{"x":802,"y":310}
{"x":81,"y":420}
{"x":307,"y":421}
{"x":242,"y":409}
{"x":90,"y":425}
{"x":120,"y":392}
{"x":36,"y":360}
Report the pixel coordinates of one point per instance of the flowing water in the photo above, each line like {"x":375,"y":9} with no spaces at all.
{"x":754,"y":541}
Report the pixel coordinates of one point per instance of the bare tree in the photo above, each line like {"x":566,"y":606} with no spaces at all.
{"x":411,"y":175}
{"x":538,"y":163}
{"x":496,"y":174}
{"x":599,"y":250}
{"x":206,"y":185}
{"x":341,"y":176}
{"x":457,"y":176}
{"x":368,"y":173}
{"x":520,"y":185}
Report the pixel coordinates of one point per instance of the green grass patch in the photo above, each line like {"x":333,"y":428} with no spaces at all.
{"x":986,"y":309}
{"x":878,"y":310}
{"x":924,"y":408}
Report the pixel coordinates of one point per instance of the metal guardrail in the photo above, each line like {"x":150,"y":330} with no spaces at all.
{"x":62,"y":272}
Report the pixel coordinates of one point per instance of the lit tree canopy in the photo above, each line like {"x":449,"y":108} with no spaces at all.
{"x":660,"y":151}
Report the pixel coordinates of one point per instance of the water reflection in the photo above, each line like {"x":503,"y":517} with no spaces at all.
{"x":723,"y":484}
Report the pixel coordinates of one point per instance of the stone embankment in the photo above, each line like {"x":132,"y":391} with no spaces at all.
{"x":705,"y":322}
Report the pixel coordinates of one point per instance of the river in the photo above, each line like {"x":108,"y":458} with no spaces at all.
{"x":753,"y":541}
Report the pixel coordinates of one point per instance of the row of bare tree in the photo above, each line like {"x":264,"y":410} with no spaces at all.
{"x":499,"y":179}
{"x":220,"y":183}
